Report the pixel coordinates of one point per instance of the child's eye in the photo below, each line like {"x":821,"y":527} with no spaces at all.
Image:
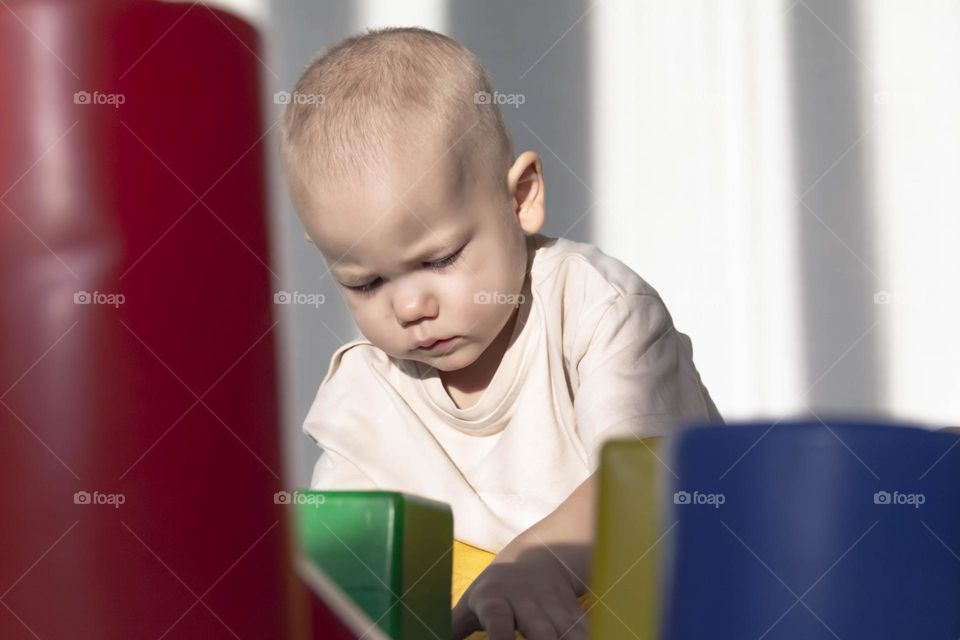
{"x":365,"y":289}
{"x":439,"y":265}
{"x":445,"y":262}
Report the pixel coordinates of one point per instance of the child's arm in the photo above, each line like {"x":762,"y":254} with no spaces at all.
{"x":534,"y":582}
{"x":636,"y":378}
{"x":570,"y":525}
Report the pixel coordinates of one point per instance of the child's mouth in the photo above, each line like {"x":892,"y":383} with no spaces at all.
{"x":439,"y":344}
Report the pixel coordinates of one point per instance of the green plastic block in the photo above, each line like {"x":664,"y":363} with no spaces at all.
{"x":390,"y":552}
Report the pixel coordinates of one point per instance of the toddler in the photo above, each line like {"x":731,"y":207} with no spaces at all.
{"x":495,"y":360}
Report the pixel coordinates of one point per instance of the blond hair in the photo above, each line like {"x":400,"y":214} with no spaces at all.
{"x":381,"y":91}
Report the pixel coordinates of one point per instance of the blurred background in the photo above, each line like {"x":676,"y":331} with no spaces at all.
{"x":783,"y":172}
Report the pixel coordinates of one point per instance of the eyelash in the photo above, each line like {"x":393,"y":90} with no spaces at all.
{"x":438,"y":266}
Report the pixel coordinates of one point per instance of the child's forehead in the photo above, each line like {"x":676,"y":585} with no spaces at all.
{"x":357,"y":252}
{"x":402,"y":197}
{"x":412,"y":197}
{"x":399,"y":228}
{"x":362,"y":223}
{"x":399,"y":203}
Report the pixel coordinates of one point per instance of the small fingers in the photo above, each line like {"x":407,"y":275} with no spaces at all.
{"x":567,"y":616}
{"x":533,"y":622}
{"x":463,"y":621}
{"x":571,"y":624}
{"x":497,"y":618}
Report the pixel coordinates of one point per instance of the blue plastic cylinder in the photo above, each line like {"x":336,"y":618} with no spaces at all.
{"x":804,"y":530}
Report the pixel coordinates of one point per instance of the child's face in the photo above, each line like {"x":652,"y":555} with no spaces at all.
{"x":425,"y":252}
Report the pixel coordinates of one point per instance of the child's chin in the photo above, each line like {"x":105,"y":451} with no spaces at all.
{"x":453,"y":361}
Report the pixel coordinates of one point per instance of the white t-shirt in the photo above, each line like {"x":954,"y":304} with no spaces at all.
{"x":594,"y":355}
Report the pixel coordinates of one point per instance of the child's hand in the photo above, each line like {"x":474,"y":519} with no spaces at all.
{"x":533,"y":593}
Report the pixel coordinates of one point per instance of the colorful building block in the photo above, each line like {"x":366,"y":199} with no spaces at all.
{"x":782,"y":530}
{"x":390,"y":552}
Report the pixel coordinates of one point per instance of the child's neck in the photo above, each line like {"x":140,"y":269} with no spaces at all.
{"x":466,"y":386}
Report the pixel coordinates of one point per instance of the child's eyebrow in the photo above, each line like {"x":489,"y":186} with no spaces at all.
{"x":346,"y":270}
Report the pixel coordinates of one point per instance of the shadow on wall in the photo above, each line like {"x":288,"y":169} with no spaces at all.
{"x":834,"y":214}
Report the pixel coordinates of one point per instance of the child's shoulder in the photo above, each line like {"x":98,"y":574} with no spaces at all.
{"x":355,"y":358}
{"x":561,"y":263}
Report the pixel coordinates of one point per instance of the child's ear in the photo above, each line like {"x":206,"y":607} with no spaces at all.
{"x":525,"y":182}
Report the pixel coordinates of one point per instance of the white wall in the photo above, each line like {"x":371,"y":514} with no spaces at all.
{"x":912,"y":92}
{"x":692,"y":122}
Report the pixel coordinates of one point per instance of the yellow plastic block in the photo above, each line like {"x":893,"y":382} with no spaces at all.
{"x":468,"y":563}
{"x":625,"y":560}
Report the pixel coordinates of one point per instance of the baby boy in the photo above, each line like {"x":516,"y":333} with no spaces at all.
{"x":495,"y":360}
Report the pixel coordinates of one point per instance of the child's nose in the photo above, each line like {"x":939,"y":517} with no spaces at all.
{"x":414,"y":303}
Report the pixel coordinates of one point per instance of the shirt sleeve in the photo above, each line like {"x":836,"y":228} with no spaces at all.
{"x":334,"y":472}
{"x":335,"y":423}
{"x":637,"y":377}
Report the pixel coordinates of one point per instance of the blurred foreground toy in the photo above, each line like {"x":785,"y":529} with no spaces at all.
{"x":788,"y":531}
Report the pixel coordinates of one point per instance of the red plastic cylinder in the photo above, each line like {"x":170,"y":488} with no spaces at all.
{"x":140,"y":451}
